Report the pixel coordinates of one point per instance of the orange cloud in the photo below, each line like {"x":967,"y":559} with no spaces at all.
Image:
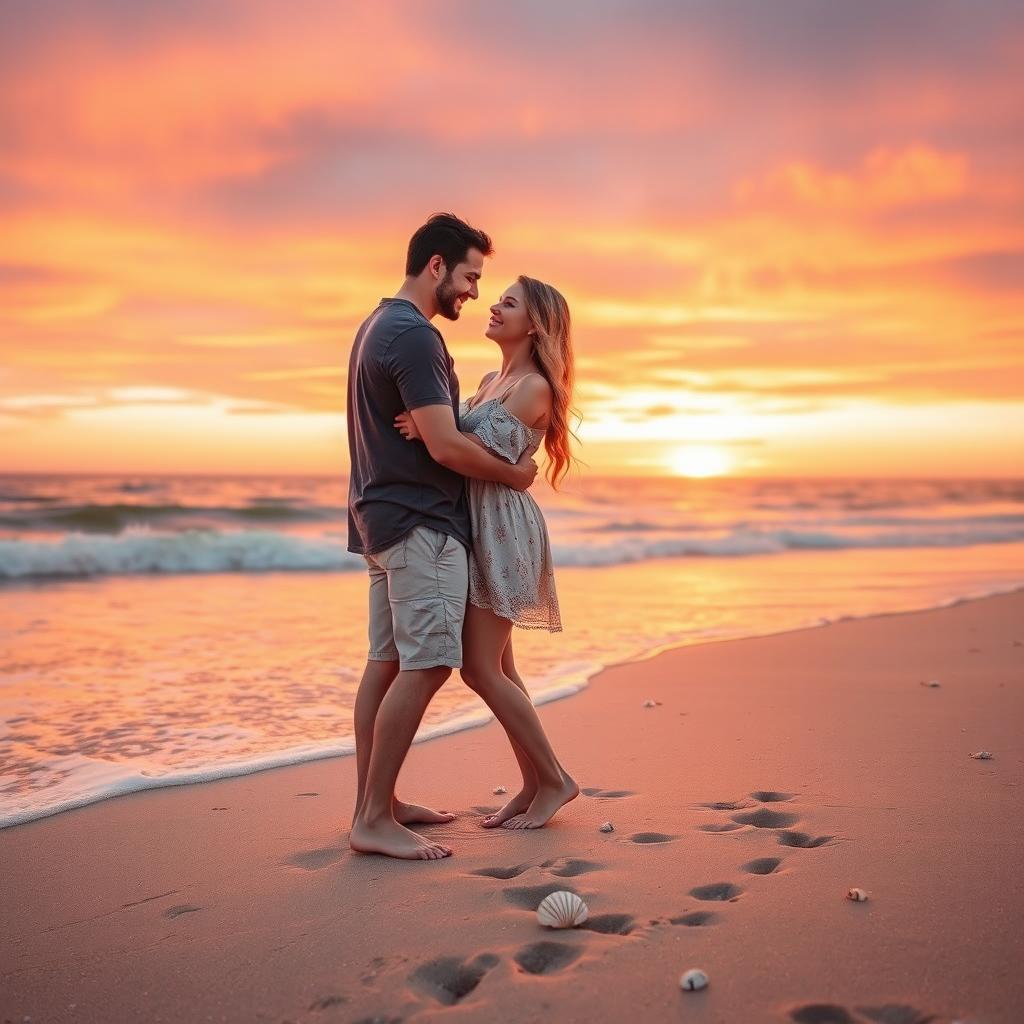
{"x":758,"y":218}
{"x":886,"y":177}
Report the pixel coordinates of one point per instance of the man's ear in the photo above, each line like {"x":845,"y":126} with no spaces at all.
{"x":437,"y":267}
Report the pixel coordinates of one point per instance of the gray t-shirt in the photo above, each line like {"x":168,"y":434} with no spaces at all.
{"x":399,"y":361}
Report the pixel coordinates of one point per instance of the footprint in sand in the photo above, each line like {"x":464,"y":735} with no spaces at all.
{"x":727,"y":805}
{"x":607,"y":794}
{"x":764,"y":818}
{"x":609,"y":924}
{"x":315,"y":860}
{"x":570,"y":867}
{"x":761,"y":866}
{"x":505,"y":873}
{"x":328,"y":1002}
{"x":563,"y":867}
{"x":449,"y":979}
{"x":546,"y":957}
{"x":727,"y":826}
{"x":770,"y":796}
{"x":821,"y":1013}
{"x":830,"y":1013}
{"x":529,"y":896}
{"x":651,"y":838}
{"x":802,"y":841}
{"x":720,"y":891}
{"x":695,"y":919}
{"x":182,"y":908}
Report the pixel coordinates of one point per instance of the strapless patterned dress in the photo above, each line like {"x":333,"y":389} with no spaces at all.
{"x":511,"y":571}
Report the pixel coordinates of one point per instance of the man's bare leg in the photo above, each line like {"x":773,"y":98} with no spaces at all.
{"x":375,"y":830}
{"x":377,"y":678}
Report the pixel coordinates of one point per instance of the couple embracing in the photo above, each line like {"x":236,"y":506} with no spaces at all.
{"x":457,"y":550}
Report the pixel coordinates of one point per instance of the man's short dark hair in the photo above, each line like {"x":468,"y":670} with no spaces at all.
{"x":446,"y":236}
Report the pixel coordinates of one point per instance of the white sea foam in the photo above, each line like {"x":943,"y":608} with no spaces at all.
{"x":87,"y":780}
{"x":144,"y":551}
{"x":141,"y":550}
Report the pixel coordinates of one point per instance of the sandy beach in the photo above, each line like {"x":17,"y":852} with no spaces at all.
{"x":771,"y":776}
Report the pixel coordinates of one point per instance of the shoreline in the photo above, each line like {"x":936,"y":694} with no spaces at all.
{"x":773,"y":774}
{"x":577,"y":682}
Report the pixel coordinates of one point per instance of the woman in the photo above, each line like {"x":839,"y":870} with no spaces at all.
{"x":511,"y":576}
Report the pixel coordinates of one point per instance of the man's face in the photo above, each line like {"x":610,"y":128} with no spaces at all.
{"x":459,"y":284}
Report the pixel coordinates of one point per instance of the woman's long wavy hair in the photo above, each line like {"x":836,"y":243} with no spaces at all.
{"x":552,"y":348}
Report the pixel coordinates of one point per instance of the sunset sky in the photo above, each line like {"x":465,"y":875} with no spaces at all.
{"x":791,"y":234}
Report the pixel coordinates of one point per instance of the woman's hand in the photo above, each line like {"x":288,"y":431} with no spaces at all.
{"x":405,"y":425}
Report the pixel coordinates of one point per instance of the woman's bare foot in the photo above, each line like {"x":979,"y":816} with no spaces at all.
{"x":416,"y":814}
{"x":517,"y":805}
{"x":544,"y":805}
{"x":389,"y":838}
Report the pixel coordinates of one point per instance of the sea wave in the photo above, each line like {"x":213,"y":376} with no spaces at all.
{"x":141,"y":550}
{"x":115,"y":517}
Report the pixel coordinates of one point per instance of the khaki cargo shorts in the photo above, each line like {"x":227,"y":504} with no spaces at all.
{"x":418,"y":593}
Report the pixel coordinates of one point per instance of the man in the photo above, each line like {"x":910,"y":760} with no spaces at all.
{"x":408,"y":518}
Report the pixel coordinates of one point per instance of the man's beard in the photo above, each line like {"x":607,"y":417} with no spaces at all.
{"x":446,"y":294}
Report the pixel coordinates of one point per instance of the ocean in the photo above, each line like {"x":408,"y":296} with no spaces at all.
{"x":158,"y":631}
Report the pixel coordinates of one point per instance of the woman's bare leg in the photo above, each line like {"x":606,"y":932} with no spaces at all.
{"x":484,"y":640}
{"x":522,"y":800}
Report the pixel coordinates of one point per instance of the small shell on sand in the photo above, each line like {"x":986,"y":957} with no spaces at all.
{"x":693,"y":979}
{"x":930,"y":682}
{"x":982,"y":755}
{"x":651,"y":703}
{"x":857,"y":895}
{"x":498,"y":790}
{"x":606,"y":826}
{"x":562,"y":909}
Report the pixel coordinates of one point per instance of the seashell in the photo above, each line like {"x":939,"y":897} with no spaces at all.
{"x":982,"y":755}
{"x":931,"y":682}
{"x":498,"y":790}
{"x":562,"y":909}
{"x":651,"y":703}
{"x":857,"y":895}
{"x":606,"y":826}
{"x":693,"y":979}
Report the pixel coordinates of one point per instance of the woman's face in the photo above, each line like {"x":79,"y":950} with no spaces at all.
{"x":509,"y":321}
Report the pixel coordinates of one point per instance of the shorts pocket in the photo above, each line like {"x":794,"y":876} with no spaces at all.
{"x":429,"y":543}
{"x":427,"y":618}
{"x":431,"y":641}
{"x":393,"y":557}
{"x":440,"y":543}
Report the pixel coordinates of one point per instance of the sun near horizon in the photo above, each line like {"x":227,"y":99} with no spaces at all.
{"x":699,"y":462}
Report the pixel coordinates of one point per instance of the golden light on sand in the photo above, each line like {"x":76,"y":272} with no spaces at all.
{"x":700,"y":461}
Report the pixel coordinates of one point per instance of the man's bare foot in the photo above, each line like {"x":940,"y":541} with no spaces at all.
{"x":389,"y":838}
{"x":417,"y":814}
{"x":517,"y":805}
{"x":545,"y":804}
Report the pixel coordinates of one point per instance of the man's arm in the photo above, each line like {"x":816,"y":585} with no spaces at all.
{"x":436,"y":426}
